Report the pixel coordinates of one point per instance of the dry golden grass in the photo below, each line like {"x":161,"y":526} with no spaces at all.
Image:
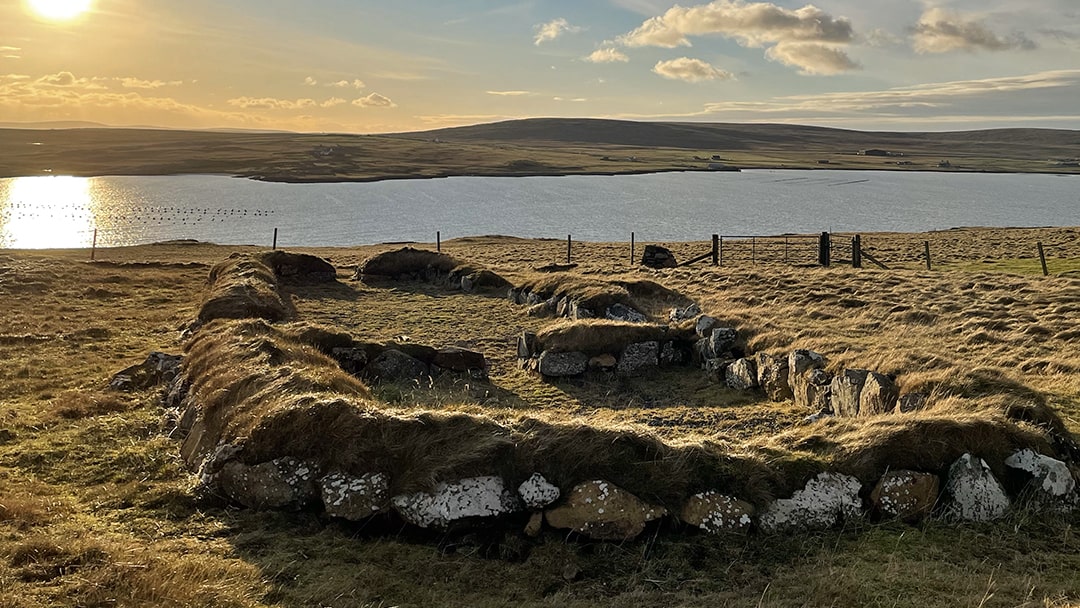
{"x":98,"y":509}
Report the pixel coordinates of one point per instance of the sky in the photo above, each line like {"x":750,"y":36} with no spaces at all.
{"x":365,"y":66}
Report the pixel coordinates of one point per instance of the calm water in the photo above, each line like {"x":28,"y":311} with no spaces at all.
{"x":40,"y":212}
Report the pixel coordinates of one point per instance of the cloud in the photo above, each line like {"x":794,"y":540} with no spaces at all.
{"x":345,"y":84}
{"x":10,"y":52}
{"x":270,"y":103}
{"x":571,"y":99}
{"x":309,"y":81}
{"x":941,"y":31}
{"x":751,"y":24}
{"x":811,"y":58}
{"x":546,"y":32}
{"x":333,"y":102}
{"x":690,"y":70}
{"x":510,"y":93}
{"x":374,"y":101}
{"x":1001,"y":94}
{"x":137,"y":83}
{"x":607,"y":55}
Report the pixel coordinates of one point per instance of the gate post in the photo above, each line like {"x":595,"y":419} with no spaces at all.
{"x":824,"y":249}
{"x":856,"y":251}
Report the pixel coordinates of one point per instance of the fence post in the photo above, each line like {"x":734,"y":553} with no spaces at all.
{"x":753,"y":250}
{"x":275,"y":240}
{"x":716,"y":250}
{"x":785,"y":250}
{"x":438,"y":241}
{"x":926,"y":247}
{"x":856,"y":251}
{"x":569,"y":246}
{"x":632,"y":255}
{"x":721,"y":253}
{"x":93,"y":247}
{"x":824,"y":252}
{"x":1042,"y":258}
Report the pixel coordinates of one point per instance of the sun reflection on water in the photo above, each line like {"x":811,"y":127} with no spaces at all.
{"x":46,"y":212}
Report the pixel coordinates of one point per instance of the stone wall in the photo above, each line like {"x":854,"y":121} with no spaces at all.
{"x":274,"y":427}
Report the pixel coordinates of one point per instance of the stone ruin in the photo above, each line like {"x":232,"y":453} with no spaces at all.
{"x":957,"y":483}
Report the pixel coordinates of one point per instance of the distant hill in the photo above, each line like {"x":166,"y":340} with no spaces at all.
{"x":56,"y":124}
{"x":730,"y":136}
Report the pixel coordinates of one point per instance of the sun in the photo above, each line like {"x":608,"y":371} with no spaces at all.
{"x":60,"y":9}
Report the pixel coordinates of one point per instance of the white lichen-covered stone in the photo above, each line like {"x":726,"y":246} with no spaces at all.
{"x":603,"y":511}
{"x":559,"y":365}
{"x":821,"y":504}
{"x":907,"y":495}
{"x":975,"y":494}
{"x":1051,"y":478}
{"x":714,"y":512}
{"x":536,"y":492}
{"x":485,"y":496}
{"x":212,"y":465}
{"x":354,"y":498}
{"x":704,"y":326}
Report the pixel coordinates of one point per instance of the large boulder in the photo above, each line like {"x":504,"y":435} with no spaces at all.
{"x":704,"y":326}
{"x":741,"y":374}
{"x":808,"y":381}
{"x":485,"y":496}
{"x":558,"y":365}
{"x":772,"y":377}
{"x":822,"y":503}
{"x":656,"y":256}
{"x":639,"y":358}
{"x":812,"y":391}
{"x":975,"y":494}
{"x":845,"y":391}
{"x":392,"y":364}
{"x":459,"y":360}
{"x":879,"y":395}
{"x":622,"y":312}
{"x":1049,"y":480}
{"x":603,"y":511}
{"x":721,"y":341}
{"x":537,"y":492}
{"x":905,"y":495}
{"x":801,"y":361}
{"x":714,"y":512}
{"x":277,"y":484}
{"x":354,"y":498}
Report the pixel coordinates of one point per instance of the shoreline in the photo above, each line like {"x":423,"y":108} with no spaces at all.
{"x":313,"y":179}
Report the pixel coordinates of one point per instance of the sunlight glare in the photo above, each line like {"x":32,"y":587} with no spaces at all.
{"x":46,"y":212}
{"x":60,"y":9}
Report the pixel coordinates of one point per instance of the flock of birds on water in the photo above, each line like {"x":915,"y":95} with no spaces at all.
{"x":138,"y":217}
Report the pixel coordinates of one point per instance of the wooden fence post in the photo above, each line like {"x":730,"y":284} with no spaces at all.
{"x":93,"y":246}
{"x":824,"y":253}
{"x":926,"y":247}
{"x":1042,"y":259}
{"x":856,"y":251}
{"x":716,"y":250}
{"x":721,"y":260}
{"x":438,"y":241}
{"x":274,"y":246}
{"x":569,"y":246}
{"x":633,"y":257}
